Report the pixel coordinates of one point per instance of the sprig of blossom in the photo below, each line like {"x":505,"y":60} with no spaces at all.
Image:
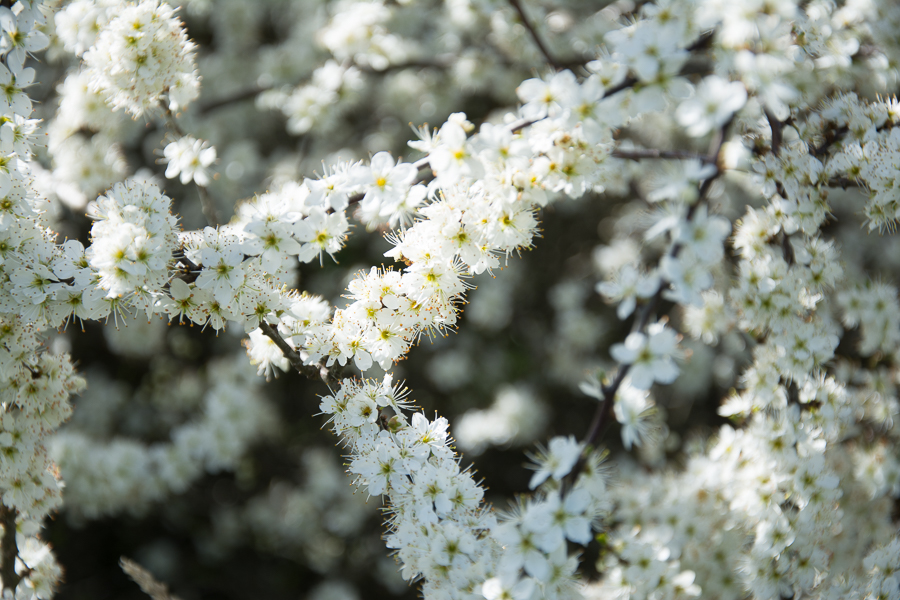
{"x":142,"y":55}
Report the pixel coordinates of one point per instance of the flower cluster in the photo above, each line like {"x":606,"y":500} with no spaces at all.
{"x":438,"y":525}
{"x":132,"y":240}
{"x":315,"y":104}
{"x":140,"y":56}
{"x":35,"y":386}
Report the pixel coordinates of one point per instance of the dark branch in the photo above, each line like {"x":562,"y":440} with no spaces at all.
{"x":172,"y":123}
{"x":252,"y":92}
{"x":786,"y":249}
{"x":8,"y":550}
{"x":239,"y":96}
{"x":601,"y":416}
{"x":776,"y":126}
{"x":626,"y":83}
{"x":145,"y":580}
{"x":832,"y":136}
{"x":842,"y":182}
{"x":319,"y":371}
{"x":651,"y":153}
{"x":208,"y":206}
{"x":534,"y":35}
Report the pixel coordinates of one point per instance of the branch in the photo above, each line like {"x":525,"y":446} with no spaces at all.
{"x":145,"y":580}
{"x":319,"y":371}
{"x":534,"y":35}
{"x":208,"y":206}
{"x":832,"y":136}
{"x":842,"y":182}
{"x":609,"y":391}
{"x":239,"y":96}
{"x":421,"y":63}
{"x":673,"y":154}
{"x":9,"y":550}
{"x":626,"y":83}
{"x":252,"y":92}
{"x":171,"y":122}
{"x":786,"y":249}
{"x":776,"y":126}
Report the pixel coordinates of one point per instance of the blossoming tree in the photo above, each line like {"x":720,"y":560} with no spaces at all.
{"x":723,"y":174}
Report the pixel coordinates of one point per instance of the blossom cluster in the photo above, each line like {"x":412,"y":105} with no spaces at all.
{"x":132,"y":239}
{"x":439,"y":525}
{"x":36,"y":388}
{"x":140,"y":56}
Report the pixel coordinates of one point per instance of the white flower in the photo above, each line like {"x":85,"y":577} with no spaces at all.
{"x":13,"y":81}
{"x":508,"y":587}
{"x":715,"y":100}
{"x":132,"y":238}
{"x":521,"y":549}
{"x":386,"y":180}
{"x":628,"y":286}
{"x":558,"y":461}
{"x":688,"y":276}
{"x":321,"y":232}
{"x":79,"y":22}
{"x":189,"y":158}
{"x":541,"y":98}
{"x":704,"y":235}
{"x":568,"y":519}
{"x":681,"y":181}
{"x":650,"y":356}
{"x":632,"y":408}
{"x":263,"y":352}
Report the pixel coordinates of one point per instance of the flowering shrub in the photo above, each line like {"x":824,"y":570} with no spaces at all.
{"x":721,"y":174}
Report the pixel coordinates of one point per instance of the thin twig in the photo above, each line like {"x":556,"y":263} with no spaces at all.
{"x":832,"y":136}
{"x":776,"y":126}
{"x":602,"y":413}
{"x":208,"y":206}
{"x":534,"y":35}
{"x":786,"y":249}
{"x":842,"y":182}
{"x":626,"y":83}
{"x":421,"y":63}
{"x":146,"y":581}
{"x":700,"y":43}
{"x":238,"y":96}
{"x":664,"y":154}
{"x":171,"y":122}
{"x":252,"y":92}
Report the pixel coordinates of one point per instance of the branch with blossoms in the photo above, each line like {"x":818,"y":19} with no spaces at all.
{"x":769,"y":489}
{"x":653,"y":354}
